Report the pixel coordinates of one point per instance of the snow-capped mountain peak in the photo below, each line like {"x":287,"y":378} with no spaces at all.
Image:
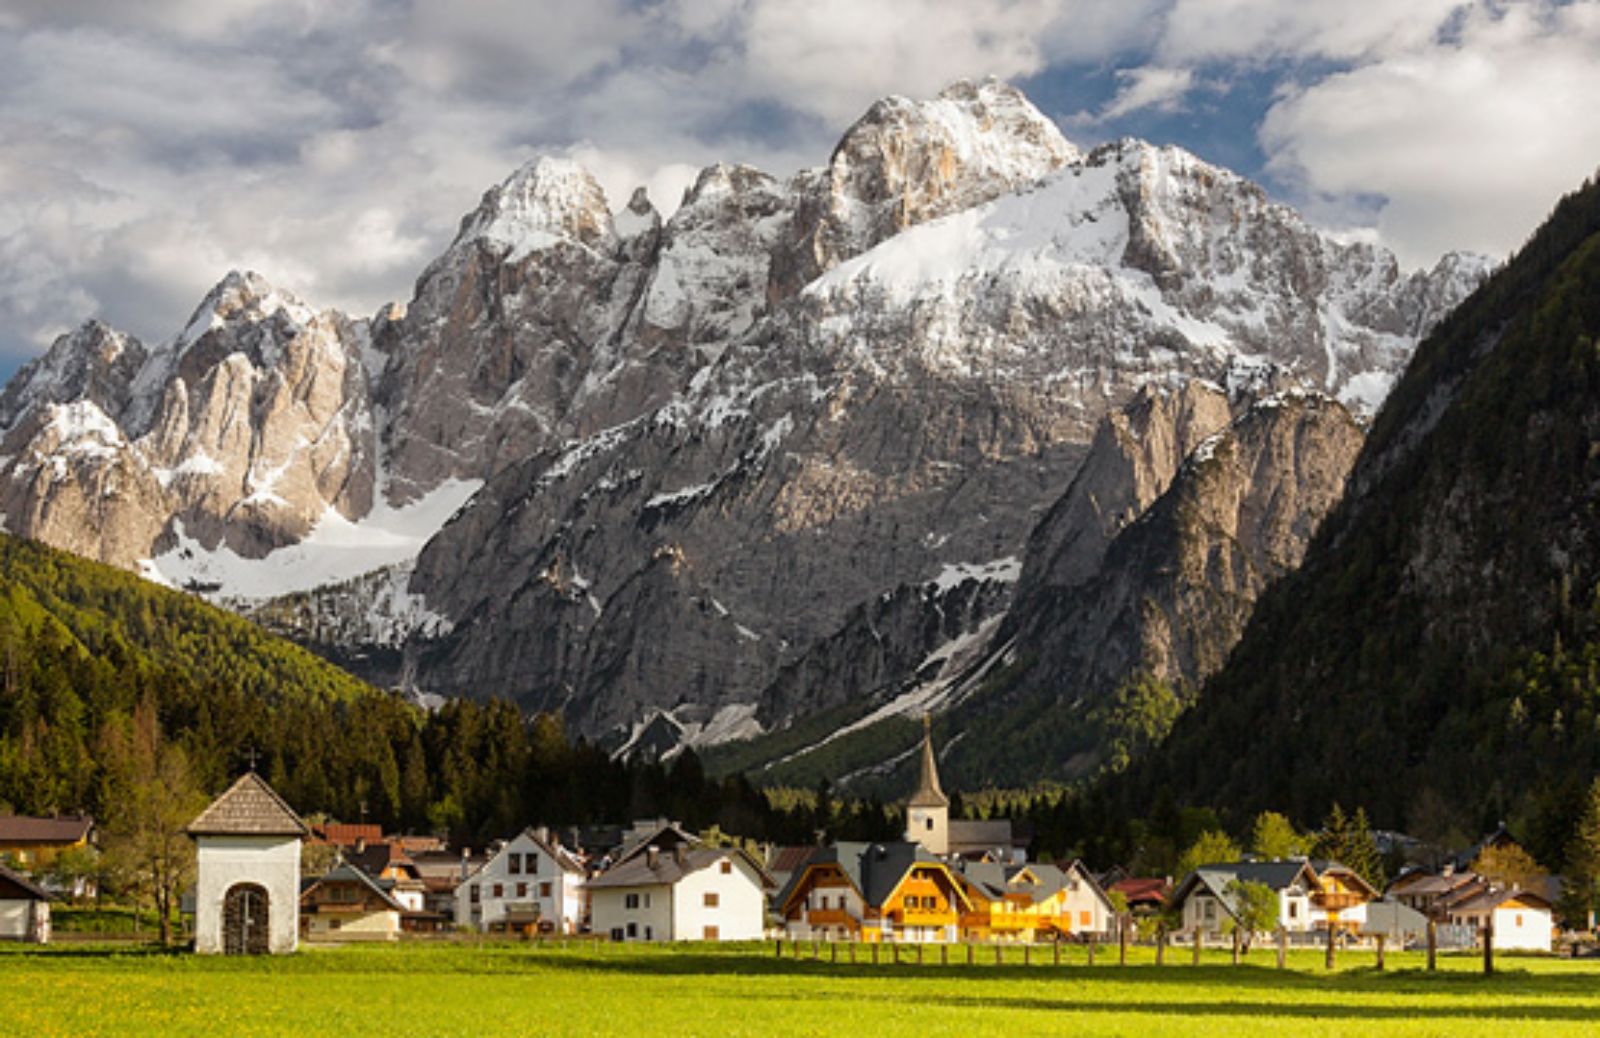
{"x":546,"y":201}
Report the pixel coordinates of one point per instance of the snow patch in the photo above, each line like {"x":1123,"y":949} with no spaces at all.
{"x":1001,"y":571}
{"x":336,"y":550}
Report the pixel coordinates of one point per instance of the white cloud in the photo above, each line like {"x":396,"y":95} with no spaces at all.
{"x":1199,"y":31}
{"x":1142,"y":88}
{"x":1470,"y":138}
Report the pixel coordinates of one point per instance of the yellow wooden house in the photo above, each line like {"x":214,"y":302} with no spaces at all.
{"x":892,"y":891}
{"x":1033,"y":902}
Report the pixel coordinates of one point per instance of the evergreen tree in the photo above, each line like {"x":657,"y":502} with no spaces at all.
{"x":1581,"y":892}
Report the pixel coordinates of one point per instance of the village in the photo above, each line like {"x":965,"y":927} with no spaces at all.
{"x":266,"y":881}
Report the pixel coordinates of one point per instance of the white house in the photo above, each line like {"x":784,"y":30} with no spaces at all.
{"x":685,"y":894}
{"x":1207,"y":901}
{"x":247,"y":895}
{"x":1521,"y":919}
{"x":531,"y":882}
{"x":24,"y":909}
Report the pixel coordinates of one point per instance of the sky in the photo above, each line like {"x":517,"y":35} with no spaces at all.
{"x":334,"y":145}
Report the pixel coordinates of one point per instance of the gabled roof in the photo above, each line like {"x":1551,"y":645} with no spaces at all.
{"x":29,"y":890}
{"x":565,"y":860}
{"x":24,"y":829}
{"x":1216,"y":879}
{"x":1491,"y":898}
{"x":250,"y":807}
{"x":985,"y":833}
{"x":669,"y":868}
{"x":874,"y":869}
{"x":663,"y":836}
{"x":347,"y":873}
{"x":346,"y":834}
{"x":1143,"y":890}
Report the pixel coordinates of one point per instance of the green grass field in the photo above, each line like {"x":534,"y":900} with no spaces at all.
{"x":512,"y":989}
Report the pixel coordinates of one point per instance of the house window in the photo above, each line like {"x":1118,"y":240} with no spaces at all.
{"x":711,"y":934}
{"x":499,"y":890}
{"x":649,"y":934}
{"x":647,"y":901}
{"x":631,"y":901}
{"x":929,"y":824}
{"x":1085,"y":918}
{"x":522,"y":890}
{"x":711,"y":899}
{"x":473,"y":893}
{"x":1208,"y":910}
{"x":1519,"y":919}
{"x":544,"y":889}
{"x":333,"y":924}
{"x":1294,"y":910}
{"x":515,"y":866}
{"x":633,"y":929}
{"x":930,"y":902}
{"x":727,"y":867}
{"x":616,"y":933}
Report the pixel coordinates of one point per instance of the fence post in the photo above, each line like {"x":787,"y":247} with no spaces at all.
{"x":1488,"y":946}
{"x":875,"y":953}
{"x":1433,"y":945}
{"x":1283,"y":947}
{"x":919,"y":955}
{"x":778,"y":946}
{"x":1092,"y":942}
{"x":816,"y":949}
{"x":969,"y":953}
{"x":833,"y":951}
{"x":1328,"y":963}
{"x":896,"y":953}
{"x":1236,"y":946}
{"x":997,"y":953}
{"x":1122,"y":939}
{"x":1380,"y":952}
{"x":1056,"y":947}
{"x":1161,"y":944}
{"x":852,"y":953}
{"x":944,"y":955}
{"x":1027,"y":954}
{"x":1197,"y":945}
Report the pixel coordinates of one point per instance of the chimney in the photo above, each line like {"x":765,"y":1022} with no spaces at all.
{"x":466,"y":861}
{"x":361,"y":844}
{"x":678,"y":853}
{"x":652,"y":856}
{"x":542,"y":834}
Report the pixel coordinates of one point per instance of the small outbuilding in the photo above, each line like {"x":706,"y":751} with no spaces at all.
{"x":247,"y":895}
{"x":24,"y":909}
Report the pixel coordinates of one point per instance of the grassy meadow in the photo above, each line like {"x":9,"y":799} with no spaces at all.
{"x":517,"y":989}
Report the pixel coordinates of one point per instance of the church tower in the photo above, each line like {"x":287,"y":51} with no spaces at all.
{"x":928,"y":810}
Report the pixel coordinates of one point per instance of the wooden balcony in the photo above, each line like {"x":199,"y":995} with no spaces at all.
{"x":924,"y":918}
{"x":1337,"y":901}
{"x":831,"y":917}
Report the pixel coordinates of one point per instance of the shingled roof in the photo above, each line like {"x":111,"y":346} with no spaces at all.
{"x":24,"y":829}
{"x":250,"y":807}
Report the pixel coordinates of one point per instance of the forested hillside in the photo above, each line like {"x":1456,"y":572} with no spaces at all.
{"x":89,"y":653}
{"x":1438,"y":653}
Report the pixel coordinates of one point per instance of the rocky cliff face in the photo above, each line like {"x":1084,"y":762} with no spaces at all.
{"x":690,"y":450}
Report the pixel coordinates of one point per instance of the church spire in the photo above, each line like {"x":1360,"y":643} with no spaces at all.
{"x":928,"y":793}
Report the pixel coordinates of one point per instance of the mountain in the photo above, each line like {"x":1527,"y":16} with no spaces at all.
{"x":648,"y":471}
{"x":1436,"y":651}
{"x":1135,"y":586}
